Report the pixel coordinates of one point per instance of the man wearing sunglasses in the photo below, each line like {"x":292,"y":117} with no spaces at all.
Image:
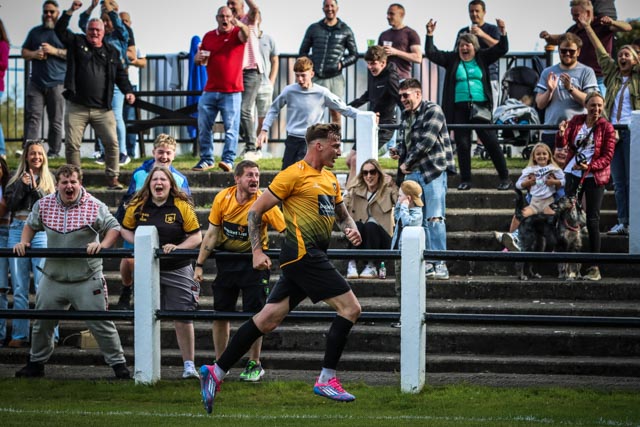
{"x":48,"y":58}
{"x":605,"y":27}
{"x":562,"y":88}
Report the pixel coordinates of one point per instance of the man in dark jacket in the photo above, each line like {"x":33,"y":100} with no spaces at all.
{"x":381,"y":94}
{"x":93,"y":67}
{"x":325,"y":43}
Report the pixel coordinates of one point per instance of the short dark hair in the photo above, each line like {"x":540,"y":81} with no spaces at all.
{"x":410,"y":84}
{"x":398,"y":5}
{"x":480,"y":2}
{"x":375,"y":53}
{"x":322,"y":131}
{"x":240,"y":167}
{"x":68,"y":170}
{"x":52,"y":2}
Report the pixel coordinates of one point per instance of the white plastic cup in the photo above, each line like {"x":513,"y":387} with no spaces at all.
{"x":205,"y":56}
{"x":387,"y":43}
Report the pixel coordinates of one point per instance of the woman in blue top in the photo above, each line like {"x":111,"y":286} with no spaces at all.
{"x":466,"y":82}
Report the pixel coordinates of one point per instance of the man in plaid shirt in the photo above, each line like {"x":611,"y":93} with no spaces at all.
{"x":425,"y":155}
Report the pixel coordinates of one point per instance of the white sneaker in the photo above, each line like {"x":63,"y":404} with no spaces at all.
{"x":430,"y":271}
{"x":369,"y":272}
{"x":619,"y":229}
{"x":190,"y":372}
{"x":511,"y":242}
{"x":498,"y":236}
{"x":352,"y":270}
{"x":441,"y":271}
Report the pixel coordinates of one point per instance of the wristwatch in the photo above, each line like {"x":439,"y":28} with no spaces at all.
{"x":199,"y":265}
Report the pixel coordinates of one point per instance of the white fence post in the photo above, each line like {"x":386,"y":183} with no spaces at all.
{"x":146,"y":326}
{"x":634,"y":185}
{"x":413,"y":334}
{"x":367,"y":134}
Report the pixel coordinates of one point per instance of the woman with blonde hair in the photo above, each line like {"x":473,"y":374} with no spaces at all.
{"x":31,"y":181}
{"x":622,"y":80}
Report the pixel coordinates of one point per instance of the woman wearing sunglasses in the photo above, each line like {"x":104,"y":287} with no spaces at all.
{"x":370,"y":201}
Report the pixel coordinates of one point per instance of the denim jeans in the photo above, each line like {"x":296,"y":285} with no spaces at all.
{"x":620,"y":174}
{"x":129,"y":113}
{"x":434,"y":196}
{"x":4,"y":281}
{"x":20,"y":269}
{"x":228,"y":105}
{"x":117,"y":105}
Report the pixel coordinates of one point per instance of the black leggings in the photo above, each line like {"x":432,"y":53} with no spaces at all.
{"x":463,"y":144}
{"x":593,"y":194}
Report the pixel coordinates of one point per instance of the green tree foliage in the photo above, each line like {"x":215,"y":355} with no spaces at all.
{"x":12,"y":119}
{"x":629,"y":37}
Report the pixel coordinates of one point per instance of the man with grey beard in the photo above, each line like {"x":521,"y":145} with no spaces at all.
{"x":48,"y":58}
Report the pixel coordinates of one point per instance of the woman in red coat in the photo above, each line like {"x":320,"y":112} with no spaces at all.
{"x":591,"y":141}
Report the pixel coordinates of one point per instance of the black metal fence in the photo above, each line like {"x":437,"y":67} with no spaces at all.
{"x":170,"y":73}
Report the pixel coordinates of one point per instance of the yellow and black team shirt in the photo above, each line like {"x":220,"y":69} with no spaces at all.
{"x":231,"y":217}
{"x":175,"y":220}
{"x":309,"y":198}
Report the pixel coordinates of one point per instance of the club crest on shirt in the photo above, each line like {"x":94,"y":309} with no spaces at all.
{"x":170,"y":218}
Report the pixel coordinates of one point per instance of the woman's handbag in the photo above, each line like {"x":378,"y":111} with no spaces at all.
{"x":478,"y":113}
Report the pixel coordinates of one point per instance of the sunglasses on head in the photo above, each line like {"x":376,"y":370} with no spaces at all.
{"x":372,"y":172}
{"x":568,"y":51}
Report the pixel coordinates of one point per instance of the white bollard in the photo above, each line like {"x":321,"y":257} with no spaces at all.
{"x":413,"y":334}
{"x":367,"y":134}
{"x":146,"y":326}
{"x":634,"y":185}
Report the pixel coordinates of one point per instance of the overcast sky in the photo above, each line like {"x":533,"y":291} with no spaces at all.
{"x":163,"y":26}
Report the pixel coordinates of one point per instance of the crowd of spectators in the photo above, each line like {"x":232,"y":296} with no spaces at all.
{"x":88,"y":78}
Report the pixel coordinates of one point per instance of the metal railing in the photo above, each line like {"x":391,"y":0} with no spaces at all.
{"x":170,"y":73}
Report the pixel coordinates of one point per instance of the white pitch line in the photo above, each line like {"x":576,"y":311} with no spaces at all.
{"x":521,"y":418}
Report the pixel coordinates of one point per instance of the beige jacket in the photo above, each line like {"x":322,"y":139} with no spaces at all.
{"x":380,"y":208}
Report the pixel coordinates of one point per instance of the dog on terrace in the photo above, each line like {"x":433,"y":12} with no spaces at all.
{"x":548,"y":233}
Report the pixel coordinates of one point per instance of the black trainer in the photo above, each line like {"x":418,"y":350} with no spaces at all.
{"x":31,"y":370}
{"x":121,"y":371}
{"x":124,"y":302}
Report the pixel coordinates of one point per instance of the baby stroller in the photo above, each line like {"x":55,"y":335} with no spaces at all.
{"x":515,"y":108}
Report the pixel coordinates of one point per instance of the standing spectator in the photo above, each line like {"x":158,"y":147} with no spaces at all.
{"x":31,"y":182}
{"x":312,"y":203}
{"x":562,"y":88}
{"x":4,"y":64}
{"x":605,"y":28}
{"x":622,"y":80}
{"x":488,"y":35}
{"x":120,"y":37}
{"x":271,"y":61}
{"x":72,"y":218}
{"x":137,"y":60}
{"x":164,"y":152}
{"x":89,"y":91}
{"x":48,"y":58}
{"x":325,"y":43}
{"x":370,"y":203}
{"x":5,"y":217}
{"x":305,"y":101}
{"x":425,"y":155}
{"x":401,"y":43}
{"x":466,"y":83}
{"x":591,"y":140}
{"x":382,"y":96}
{"x":252,"y":70}
{"x":224,"y":51}
{"x":228,"y":231}
{"x":162,"y":204}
